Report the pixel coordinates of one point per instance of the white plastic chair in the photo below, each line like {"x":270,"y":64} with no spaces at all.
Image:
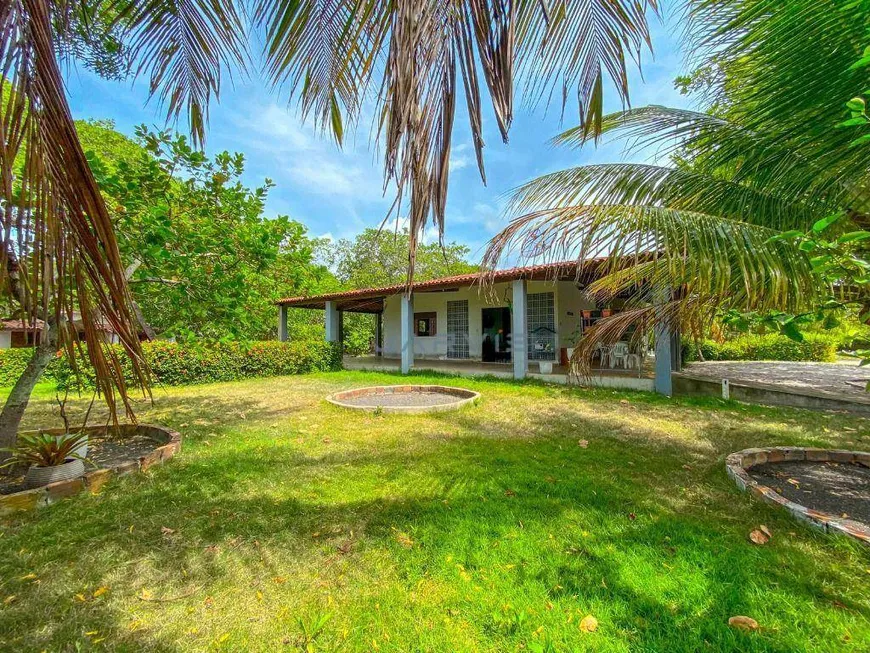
{"x":619,"y":355}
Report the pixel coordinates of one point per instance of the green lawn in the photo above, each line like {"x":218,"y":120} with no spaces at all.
{"x":487,"y":529}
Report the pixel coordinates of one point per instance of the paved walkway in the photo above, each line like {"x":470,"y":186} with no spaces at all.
{"x":844,"y":380}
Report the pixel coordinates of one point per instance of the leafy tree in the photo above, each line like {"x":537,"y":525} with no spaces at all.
{"x":201,"y":258}
{"x":380,"y":258}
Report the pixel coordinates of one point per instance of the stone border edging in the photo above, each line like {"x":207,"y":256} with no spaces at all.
{"x":465,"y":397}
{"x":96,"y":479}
{"x":737,"y":463}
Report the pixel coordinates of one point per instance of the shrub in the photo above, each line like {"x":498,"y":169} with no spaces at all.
{"x":12,"y":364}
{"x":177,"y":364}
{"x":769,"y":347}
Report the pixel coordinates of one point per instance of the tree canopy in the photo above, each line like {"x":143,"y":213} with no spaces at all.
{"x":380,"y":258}
{"x":202,"y":259}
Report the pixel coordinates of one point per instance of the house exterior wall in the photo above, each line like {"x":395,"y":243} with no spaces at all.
{"x":5,"y":339}
{"x":567,"y":299}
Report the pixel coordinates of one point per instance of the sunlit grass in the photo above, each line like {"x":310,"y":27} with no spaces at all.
{"x":287,"y":521}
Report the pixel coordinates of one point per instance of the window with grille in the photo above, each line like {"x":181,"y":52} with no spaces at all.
{"x":457,"y":329}
{"x":541,"y":325}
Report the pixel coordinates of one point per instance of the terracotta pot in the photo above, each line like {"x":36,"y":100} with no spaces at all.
{"x":38,"y":476}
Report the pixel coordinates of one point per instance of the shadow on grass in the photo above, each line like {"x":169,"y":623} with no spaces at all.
{"x":657,"y":551}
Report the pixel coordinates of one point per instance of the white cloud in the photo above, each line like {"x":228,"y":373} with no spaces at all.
{"x":311,"y":162}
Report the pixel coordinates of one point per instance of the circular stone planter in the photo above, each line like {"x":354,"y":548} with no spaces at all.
{"x":404,"y":398}
{"x":738,"y":463}
{"x":166,"y":444}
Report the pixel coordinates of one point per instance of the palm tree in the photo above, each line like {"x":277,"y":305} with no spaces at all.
{"x":405,"y":57}
{"x":767,"y":159}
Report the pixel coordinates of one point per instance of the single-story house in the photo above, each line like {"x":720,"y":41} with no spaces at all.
{"x":15,"y":334}
{"x":527,"y":319}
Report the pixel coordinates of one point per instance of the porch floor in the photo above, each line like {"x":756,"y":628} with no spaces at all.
{"x":602,"y":377}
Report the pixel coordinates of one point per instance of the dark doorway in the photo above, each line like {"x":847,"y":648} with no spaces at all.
{"x":496,"y":335}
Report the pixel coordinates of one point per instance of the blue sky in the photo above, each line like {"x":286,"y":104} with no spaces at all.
{"x":338,"y":192}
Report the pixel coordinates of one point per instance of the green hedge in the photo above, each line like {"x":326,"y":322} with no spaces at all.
{"x":769,"y":347}
{"x":175,"y":364}
{"x":12,"y":364}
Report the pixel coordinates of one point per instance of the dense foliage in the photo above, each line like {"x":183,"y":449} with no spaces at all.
{"x":769,"y":347}
{"x":203,"y":261}
{"x":182,"y":364}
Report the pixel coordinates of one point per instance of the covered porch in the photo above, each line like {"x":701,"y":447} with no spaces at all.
{"x":524,"y":323}
{"x":601,"y":377}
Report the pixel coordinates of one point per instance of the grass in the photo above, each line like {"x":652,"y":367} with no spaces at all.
{"x":286,"y":523}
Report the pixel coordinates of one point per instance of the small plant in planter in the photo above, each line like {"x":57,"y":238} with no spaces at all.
{"x":49,"y":457}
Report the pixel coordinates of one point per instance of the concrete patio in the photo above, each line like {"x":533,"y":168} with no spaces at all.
{"x":603,"y":378}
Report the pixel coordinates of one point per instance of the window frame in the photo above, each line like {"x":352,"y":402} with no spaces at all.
{"x":431,"y":318}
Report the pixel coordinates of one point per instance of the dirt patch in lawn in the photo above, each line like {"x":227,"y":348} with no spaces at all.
{"x":835,"y":488}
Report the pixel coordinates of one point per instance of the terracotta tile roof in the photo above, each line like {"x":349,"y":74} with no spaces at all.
{"x":547,"y":271}
{"x":38,"y":325}
{"x":21,"y":325}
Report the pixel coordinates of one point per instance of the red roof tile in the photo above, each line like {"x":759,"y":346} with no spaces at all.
{"x":563,"y":270}
{"x":21,"y":325}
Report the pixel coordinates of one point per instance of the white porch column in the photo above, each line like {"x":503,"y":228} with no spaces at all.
{"x":407,"y":333}
{"x":332,"y":328}
{"x":519,"y":337}
{"x":664,"y":358}
{"x":282,"y":323}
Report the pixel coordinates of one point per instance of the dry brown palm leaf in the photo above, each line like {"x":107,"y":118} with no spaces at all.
{"x":59,"y":252}
{"x":406,"y":55}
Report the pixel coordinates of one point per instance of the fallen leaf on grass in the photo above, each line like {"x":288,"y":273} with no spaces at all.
{"x":510,"y":493}
{"x":100,"y":591}
{"x":345,"y":548}
{"x":588,"y":624}
{"x":9,"y":599}
{"x":764,"y":529}
{"x":583,"y":443}
{"x":166,"y":530}
{"x":758,"y":537}
{"x":403,"y":539}
{"x":743,"y":623}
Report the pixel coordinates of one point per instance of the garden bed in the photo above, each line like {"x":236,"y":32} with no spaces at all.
{"x":114,"y":451}
{"x":828,"y":488}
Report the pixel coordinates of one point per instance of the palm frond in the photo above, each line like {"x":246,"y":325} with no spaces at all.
{"x":575,"y":44}
{"x":413,"y":53}
{"x":184,"y":47}
{"x":638,"y":184}
{"x":718,"y":259}
{"x":59,"y":250}
{"x":763,"y":161}
{"x":324,"y":52}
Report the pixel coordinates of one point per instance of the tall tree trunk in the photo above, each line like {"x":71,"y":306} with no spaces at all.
{"x":16,"y":404}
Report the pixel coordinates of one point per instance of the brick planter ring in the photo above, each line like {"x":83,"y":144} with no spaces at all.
{"x":168,"y":444}
{"x":736,"y":465}
{"x":402,"y":399}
